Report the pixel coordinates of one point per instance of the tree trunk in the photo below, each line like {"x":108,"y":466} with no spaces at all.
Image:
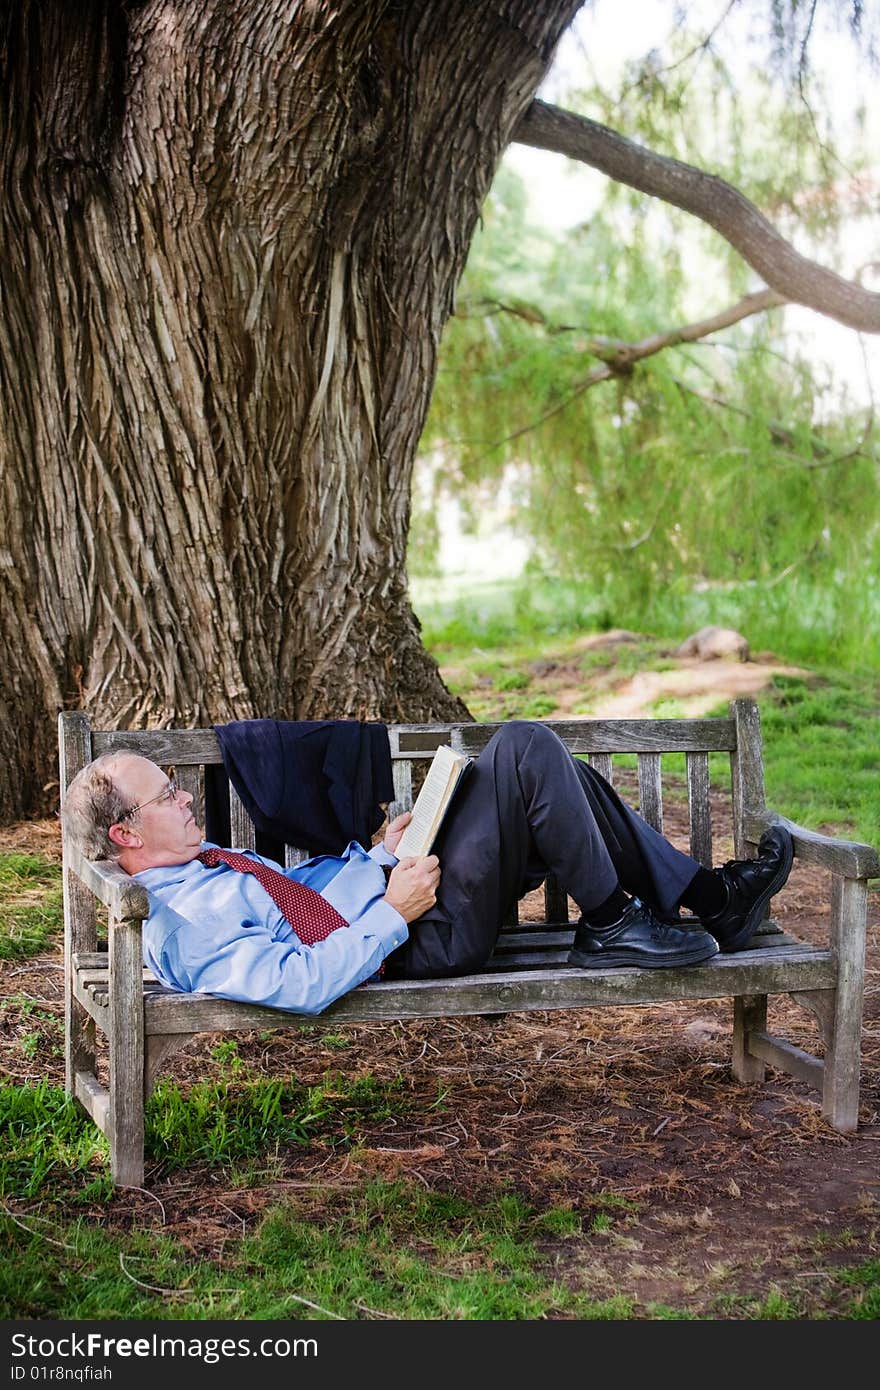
{"x":230,"y":234}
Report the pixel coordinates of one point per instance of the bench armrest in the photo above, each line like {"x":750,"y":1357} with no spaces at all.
{"x":127,"y":899}
{"x":844,"y":857}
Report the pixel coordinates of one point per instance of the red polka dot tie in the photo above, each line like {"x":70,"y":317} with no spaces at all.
{"x":310,"y":915}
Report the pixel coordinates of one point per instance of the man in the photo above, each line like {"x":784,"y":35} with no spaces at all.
{"x":526,"y":808}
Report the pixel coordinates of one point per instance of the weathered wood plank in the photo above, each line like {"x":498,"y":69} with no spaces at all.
{"x":164,"y":746}
{"x":126,"y":1124}
{"x":623,"y":735}
{"x":786,"y":1057}
{"x":80,"y":918}
{"x":401,"y":771}
{"x":603,"y":765}
{"x":840,"y":1097}
{"x":699,"y":806}
{"x":181,"y":746}
{"x":651,"y":790}
{"x":93,"y":996}
{"x":294,"y":856}
{"x":539,"y":940}
{"x":749,"y":1016}
{"x":744,"y":972}
{"x":746,"y":771}
{"x":241,"y":828}
{"x":555,"y":900}
{"x":91,"y":960}
{"x":192,"y":780}
{"x":845,"y":857}
{"x":524,"y":961}
{"x":94,"y":1098}
{"x":126,"y":899}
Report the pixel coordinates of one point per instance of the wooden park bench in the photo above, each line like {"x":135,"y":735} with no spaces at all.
{"x":110,"y":991}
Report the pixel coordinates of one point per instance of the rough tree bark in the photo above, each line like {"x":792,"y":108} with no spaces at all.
{"x":230,"y":234}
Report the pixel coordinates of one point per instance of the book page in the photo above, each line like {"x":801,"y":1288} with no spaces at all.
{"x":430,"y":803}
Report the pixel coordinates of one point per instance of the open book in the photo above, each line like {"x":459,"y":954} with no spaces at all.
{"x":442,"y":778}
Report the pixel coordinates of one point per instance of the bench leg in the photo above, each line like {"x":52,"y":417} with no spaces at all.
{"x":126,"y":1119}
{"x":749,"y":1016}
{"x":840,"y":1092}
{"x":79,"y":1029}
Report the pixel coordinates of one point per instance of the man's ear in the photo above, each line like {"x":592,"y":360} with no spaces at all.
{"x":122,"y":834}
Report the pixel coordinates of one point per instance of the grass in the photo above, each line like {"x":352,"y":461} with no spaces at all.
{"x":387,"y":1250}
{"x":821,"y":751}
{"x":30,"y":904}
{"x":46,"y":1140}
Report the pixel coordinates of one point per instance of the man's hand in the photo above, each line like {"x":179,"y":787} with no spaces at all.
{"x":412,"y":886}
{"x":395,"y":830}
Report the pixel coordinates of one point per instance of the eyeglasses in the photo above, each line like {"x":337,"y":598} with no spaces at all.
{"x":169,"y":794}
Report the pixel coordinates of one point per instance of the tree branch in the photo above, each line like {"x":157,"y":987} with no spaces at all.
{"x":618,"y":359}
{"x":710,"y":198}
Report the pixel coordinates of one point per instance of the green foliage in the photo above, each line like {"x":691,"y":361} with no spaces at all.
{"x":725,"y":472}
{"x":30,"y":904}
{"x":703,"y":468}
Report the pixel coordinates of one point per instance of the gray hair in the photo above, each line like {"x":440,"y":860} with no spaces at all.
{"x":92,"y":803}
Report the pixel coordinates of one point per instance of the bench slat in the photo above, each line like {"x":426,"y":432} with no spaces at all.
{"x":555,"y":900}
{"x":182,"y":746}
{"x":241,"y":827}
{"x":401,"y":771}
{"x":164,"y":746}
{"x":650,"y":791}
{"x":769,"y":971}
{"x":602,"y":763}
{"x":192,"y":780}
{"x":700,"y":813}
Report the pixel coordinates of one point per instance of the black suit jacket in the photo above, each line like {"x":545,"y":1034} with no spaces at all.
{"x":312,"y":783}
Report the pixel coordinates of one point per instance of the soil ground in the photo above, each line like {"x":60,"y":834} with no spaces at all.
{"x":715,"y":1190}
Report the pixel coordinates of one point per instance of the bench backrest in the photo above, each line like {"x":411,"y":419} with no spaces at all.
{"x":738,"y":735}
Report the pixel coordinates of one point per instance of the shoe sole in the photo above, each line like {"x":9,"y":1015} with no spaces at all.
{"x":755,"y":915}
{"x":589,"y":960}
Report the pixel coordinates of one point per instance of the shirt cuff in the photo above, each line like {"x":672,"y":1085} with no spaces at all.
{"x":381,"y":855}
{"x":385,"y":922}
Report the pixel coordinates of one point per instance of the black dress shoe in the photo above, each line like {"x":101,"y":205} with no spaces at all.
{"x":639,"y":938}
{"x":750,"y":885}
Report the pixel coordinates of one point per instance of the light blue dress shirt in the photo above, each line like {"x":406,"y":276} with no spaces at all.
{"x":217,"y":931}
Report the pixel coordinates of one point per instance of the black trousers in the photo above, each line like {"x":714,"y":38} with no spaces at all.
{"x":528,"y":808}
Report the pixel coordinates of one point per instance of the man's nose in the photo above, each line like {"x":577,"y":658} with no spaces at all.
{"x":185,"y":798}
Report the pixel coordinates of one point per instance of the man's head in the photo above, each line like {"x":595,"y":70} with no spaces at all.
{"x":123,"y":807}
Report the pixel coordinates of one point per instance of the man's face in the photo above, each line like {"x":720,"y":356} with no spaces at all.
{"x":164,"y":830}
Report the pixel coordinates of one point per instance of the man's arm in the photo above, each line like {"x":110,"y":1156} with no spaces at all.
{"x":245,"y":962}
